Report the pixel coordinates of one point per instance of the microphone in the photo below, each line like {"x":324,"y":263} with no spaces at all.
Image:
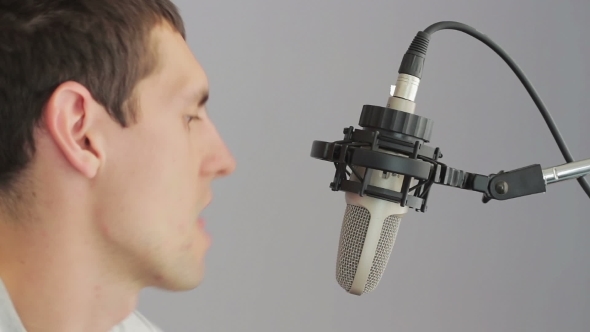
{"x":386,"y":169}
{"x":370,"y":225}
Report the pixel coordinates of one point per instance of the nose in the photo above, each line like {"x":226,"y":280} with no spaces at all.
{"x":227,"y":162}
{"x":221,"y":161}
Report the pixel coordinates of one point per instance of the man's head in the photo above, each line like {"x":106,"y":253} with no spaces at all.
{"x":102,"y":114}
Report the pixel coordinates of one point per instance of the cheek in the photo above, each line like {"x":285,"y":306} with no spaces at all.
{"x":185,"y":230}
{"x":149,"y":181}
{"x":161,"y":149}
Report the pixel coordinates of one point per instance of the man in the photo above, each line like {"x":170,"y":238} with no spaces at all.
{"x":106,"y":161}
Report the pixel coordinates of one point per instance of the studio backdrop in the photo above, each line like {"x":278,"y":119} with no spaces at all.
{"x":285,"y":73}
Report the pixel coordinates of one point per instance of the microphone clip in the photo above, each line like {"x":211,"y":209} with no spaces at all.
{"x":393,"y":142}
{"x":378,"y":148}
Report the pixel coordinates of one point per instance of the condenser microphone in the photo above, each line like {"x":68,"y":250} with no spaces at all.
{"x":370,"y":224}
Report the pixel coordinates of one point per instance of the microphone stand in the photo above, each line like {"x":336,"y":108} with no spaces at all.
{"x":520,"y":182}
{"x":567,"y":171}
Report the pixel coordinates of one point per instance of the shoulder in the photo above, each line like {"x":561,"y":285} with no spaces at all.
{"x":136,"y":322}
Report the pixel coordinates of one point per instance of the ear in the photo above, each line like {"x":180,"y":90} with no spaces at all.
{"x":70,"y":117}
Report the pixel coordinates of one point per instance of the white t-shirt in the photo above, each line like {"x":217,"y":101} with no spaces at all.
{"x":10,"y":321}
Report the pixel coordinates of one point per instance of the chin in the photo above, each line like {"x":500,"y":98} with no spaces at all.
{"x":185,"y":280}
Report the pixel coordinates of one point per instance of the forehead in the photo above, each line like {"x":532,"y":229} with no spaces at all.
{"x":178,"y":73}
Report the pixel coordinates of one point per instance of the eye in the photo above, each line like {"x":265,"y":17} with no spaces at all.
{"x":190,"y":118}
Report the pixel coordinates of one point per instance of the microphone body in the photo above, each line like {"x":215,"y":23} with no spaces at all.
{"x":368,"y":233}
{"x":370,"y":225}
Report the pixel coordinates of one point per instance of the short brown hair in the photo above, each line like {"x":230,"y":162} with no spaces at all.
{"x":101,"y":44}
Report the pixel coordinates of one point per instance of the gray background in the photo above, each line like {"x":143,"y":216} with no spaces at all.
{"x":285,"y":73}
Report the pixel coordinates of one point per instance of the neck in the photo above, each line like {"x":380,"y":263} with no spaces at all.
{"x":57,"y":277}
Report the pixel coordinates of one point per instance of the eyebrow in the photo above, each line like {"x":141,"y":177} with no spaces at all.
{"x":202,"y":97}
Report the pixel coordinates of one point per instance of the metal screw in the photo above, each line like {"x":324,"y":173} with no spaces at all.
{"x":501,"y":187}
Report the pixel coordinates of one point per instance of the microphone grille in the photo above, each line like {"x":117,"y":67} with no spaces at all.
{"x":352,"y":238}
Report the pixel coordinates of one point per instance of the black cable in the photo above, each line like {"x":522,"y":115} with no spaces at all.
{"x":450,"y":25}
